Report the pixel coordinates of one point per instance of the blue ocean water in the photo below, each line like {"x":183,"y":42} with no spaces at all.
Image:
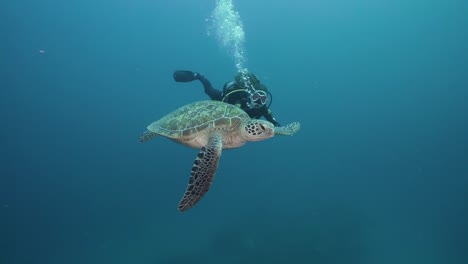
{"x":378,"y":172}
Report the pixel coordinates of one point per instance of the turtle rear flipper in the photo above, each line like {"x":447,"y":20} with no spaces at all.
{"x":147,"y":135}
{"x":288,"y":130}
{"x":203,"y":171}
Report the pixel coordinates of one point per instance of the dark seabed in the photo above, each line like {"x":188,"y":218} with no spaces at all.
{"x":378,"y":173}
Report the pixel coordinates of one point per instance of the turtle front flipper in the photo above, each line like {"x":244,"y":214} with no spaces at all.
{"x":288,"y":130}
{"x":203,"y":171}
{"x":147,"y":135}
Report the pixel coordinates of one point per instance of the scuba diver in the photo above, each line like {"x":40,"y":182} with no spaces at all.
{"x":245,"y":91}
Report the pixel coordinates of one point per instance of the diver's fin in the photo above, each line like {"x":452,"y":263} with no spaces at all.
{"x":184,"y":76}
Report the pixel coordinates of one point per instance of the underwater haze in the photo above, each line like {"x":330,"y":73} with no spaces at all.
{"x":378,"y":173}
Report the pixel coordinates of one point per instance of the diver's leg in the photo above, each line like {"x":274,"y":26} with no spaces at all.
{"x":209,"y":90}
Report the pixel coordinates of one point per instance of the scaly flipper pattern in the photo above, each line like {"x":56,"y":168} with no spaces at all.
{"x":288,"y":130}
{"x":203,"y":172}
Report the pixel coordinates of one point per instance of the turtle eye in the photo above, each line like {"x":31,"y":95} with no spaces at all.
{"x":262,"y":127}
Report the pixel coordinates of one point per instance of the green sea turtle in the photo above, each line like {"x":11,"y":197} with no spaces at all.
{"x":210,"y":126}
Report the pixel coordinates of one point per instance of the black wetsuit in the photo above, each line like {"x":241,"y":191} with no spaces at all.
{"x":239,"y":98}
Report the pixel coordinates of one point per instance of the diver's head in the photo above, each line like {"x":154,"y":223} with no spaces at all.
{"x":247,"y":81}
{"x":257,"y":99}
{"x":258,"y":93}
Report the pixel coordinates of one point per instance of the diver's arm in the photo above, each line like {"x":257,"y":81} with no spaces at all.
{"x":269,"y":116}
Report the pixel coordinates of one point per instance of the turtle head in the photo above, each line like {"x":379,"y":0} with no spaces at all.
{"x":256,"y":130}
